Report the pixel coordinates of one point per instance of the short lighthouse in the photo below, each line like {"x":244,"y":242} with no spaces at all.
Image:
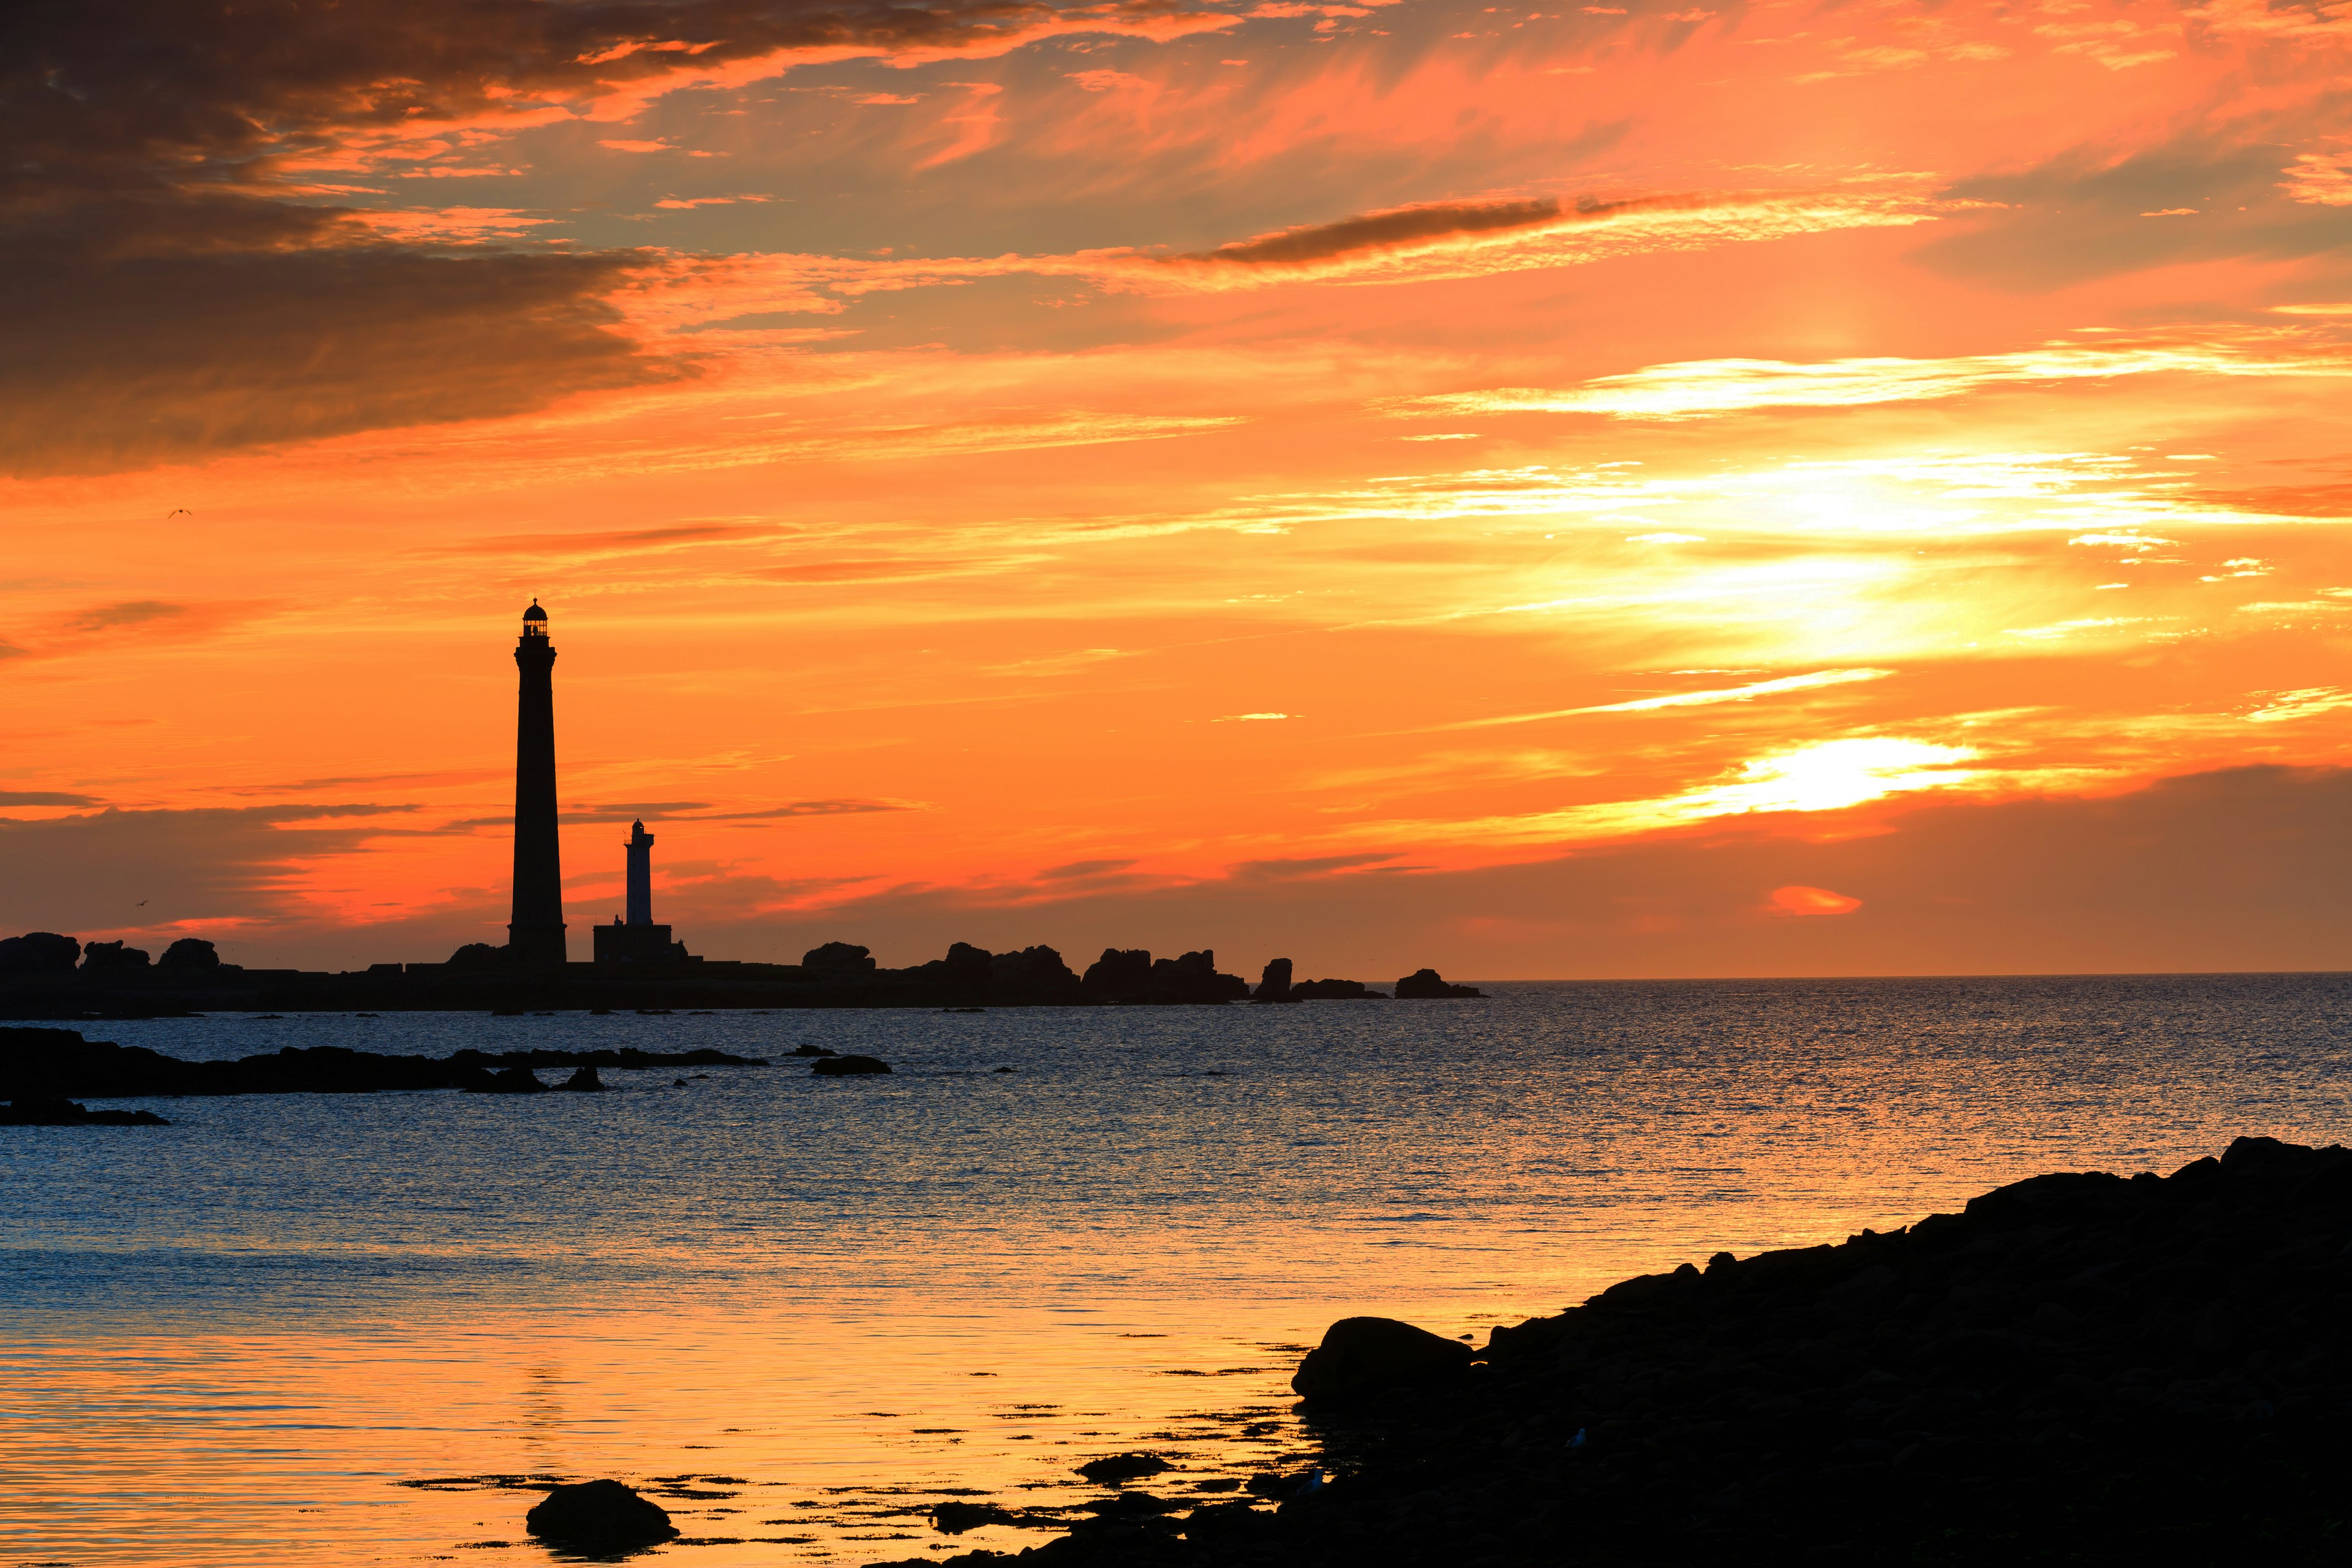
{"x":636,"y":940}
{"x":535,"y":934}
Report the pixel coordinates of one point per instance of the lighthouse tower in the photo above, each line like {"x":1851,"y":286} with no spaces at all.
{"x":639,"y":846}
{"x":637,"y":940}
{"x":535,"y":934}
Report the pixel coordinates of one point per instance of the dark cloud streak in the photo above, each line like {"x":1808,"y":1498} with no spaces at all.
{"x":169,"y":291}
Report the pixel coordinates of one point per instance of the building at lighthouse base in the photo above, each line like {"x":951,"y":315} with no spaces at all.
{"x":620,"y":944}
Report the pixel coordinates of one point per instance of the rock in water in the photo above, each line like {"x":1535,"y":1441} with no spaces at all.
{"x":1426,"y":984}
{"x":1274,"y":984}
{"x":955,"y":1518}
{"x":599,"y":1516}
{"x":840,"y":1067}
{"x":1112,"y":1468}
{"x":513,"y":1080}
{"x":44,"y":1111}
{"x":583,"y":1079}
{"x":1368,"y":1355}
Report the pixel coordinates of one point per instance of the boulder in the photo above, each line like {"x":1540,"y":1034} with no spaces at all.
{"x":598,"y":1516}
{"x":38,"y":952}
{"x":191,"y":954}
{"x":1361,"y":1356}
{"x":1274,"y":984}
{"x":845,"y":1066}
{"x":955,"y":1518}
{"x":838,"y":961}
{"x":113,"y":956}
{"x":1426,"y":985}
{"x":1112,"y":1468}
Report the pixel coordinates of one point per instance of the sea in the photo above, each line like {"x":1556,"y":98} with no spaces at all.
{"x":802,"y":1311}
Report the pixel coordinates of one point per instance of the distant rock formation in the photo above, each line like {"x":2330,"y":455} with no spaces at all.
{"x":38,"y":952}
{"x":113,"y":956}
{"x":1336,"y":991}
{"x":479,"y":955}
{"x":1423,"y":984}
{"x":1033,"y":977}
{"x":848,"y":1066}
{"x":191,"y":954}
{"x":837,"y":960}
{"x":1273,"y":986}
{"x":1132,"y":975}
{"x":1118,"y":975}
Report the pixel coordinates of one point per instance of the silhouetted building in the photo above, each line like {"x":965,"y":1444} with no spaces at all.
{"x":638,"y":940}
{"x":535,"y":933}
{"x":640,"y":848}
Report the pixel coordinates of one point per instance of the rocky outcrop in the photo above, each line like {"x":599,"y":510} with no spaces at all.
{"x":113,"y":956}
{"x":190,"y":954}
{"x":1121,"y":974}
{"x":1273,"y":982}
{"x":510,"y":1080}
{"x":60,"y":1062}
{"x":1132,"y":975}
{"x":1361,"y":1357}
{"x":51,"y":1113}
{"x":477,"y":956}
{"x":837,"y":961}
{"x":599,"y":1518}
{"x":2078,"y":1368}
{"x":1426,"y":985}
{"x":1033,"y":977}
{"x":40,"y":952}
{"x":847,"y":1067}
{"x":583,"y":1081}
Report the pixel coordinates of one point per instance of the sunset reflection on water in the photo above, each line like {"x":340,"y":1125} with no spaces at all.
{"x":800,"y":1312}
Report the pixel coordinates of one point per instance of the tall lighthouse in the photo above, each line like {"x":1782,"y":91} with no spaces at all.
{"x":535,"y":934}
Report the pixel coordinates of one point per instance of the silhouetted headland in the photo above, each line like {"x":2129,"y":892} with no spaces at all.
{"x":2077,"y":1368}
{"x":45,"y":975}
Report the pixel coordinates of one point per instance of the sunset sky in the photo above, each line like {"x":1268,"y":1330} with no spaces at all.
{"x":1607,"y":490}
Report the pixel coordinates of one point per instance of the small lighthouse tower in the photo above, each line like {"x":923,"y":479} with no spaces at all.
{"x":637,"y":940}
{"x":640,"y":848}
{"x":535,"y":934}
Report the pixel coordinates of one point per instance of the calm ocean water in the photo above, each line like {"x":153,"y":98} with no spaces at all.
{"x":810,"y":1308}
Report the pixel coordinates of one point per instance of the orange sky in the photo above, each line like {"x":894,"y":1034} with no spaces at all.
{"x":1774,"y":488}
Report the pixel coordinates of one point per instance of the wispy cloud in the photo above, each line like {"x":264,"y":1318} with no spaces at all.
{"x":1749,"y":693}
{"x":1691,"y":389}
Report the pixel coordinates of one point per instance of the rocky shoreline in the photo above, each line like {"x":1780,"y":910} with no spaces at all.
{"x":2077,"y":1368}
{"x":51,"y":1065}
{"x":47,"y":977}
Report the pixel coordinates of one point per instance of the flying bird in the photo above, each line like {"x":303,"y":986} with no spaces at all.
{"x":142,"y":903}
{"x":176,"y":511}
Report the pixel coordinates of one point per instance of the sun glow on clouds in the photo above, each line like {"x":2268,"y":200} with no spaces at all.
{"x":992,"y":411}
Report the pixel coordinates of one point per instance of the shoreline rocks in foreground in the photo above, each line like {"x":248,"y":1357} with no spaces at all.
{"x":2077,"y":1368}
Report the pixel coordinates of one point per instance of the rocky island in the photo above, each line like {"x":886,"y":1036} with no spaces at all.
{"x":46,"y":976}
